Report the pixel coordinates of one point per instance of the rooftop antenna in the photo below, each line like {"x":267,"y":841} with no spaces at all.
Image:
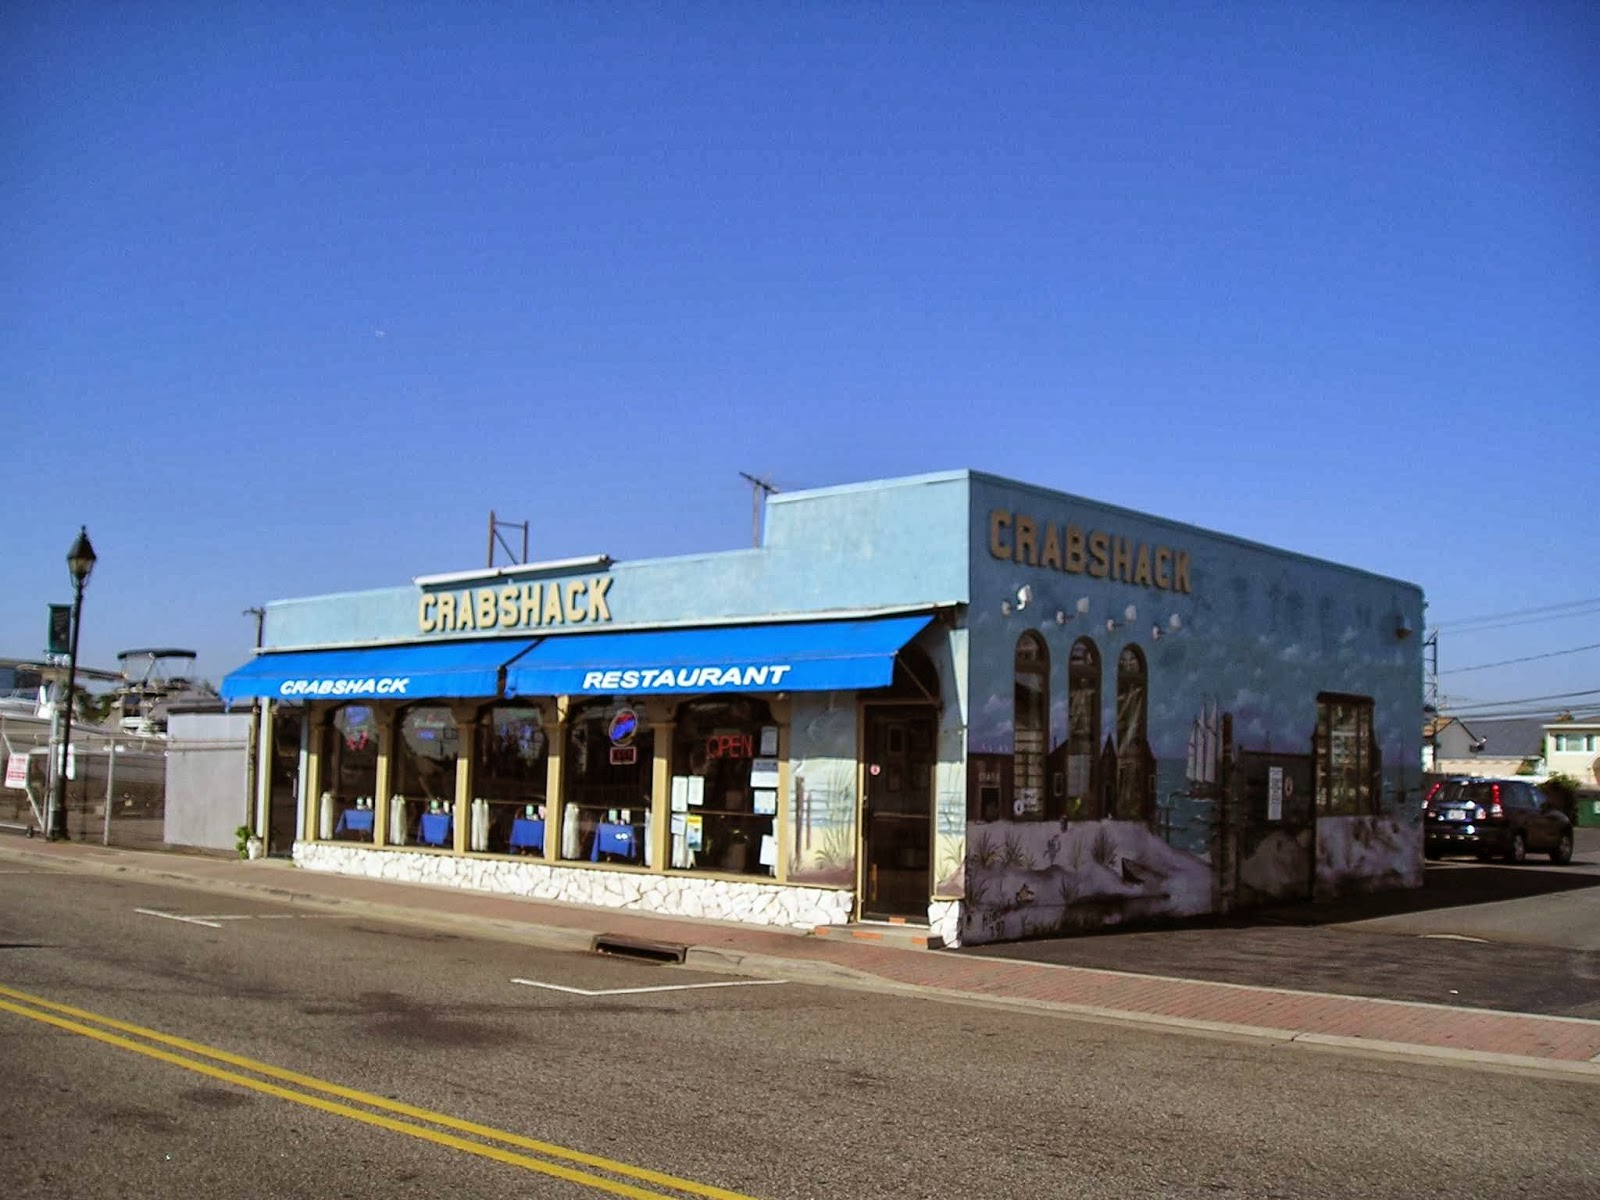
{"x":760,"y":489}
{"x":495,"y":538}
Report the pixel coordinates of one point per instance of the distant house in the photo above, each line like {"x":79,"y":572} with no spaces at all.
{"x":1572,"y":747}
{"x":1488,"y":748}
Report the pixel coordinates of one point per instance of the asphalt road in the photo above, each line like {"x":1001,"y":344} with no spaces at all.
{"x":779,"y":1090}
{"x":1476,"y":935}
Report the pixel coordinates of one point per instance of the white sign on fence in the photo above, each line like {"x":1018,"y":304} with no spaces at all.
{"x":17,"y":771}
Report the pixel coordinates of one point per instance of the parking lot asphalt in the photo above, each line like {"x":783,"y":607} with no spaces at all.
{"x":1484,"y":963}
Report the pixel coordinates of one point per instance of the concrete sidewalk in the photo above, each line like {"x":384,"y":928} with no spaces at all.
{"x":1566,"y":1045}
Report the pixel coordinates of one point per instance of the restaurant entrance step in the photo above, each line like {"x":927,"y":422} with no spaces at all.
{"x":891,"y":933}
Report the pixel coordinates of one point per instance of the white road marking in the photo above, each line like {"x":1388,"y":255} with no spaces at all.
{"x":671,"y":987}
{"x":1453,"y":937}
{"x":154,"y":912}
{"x":211,"y":919}
{"x":270,"y":917}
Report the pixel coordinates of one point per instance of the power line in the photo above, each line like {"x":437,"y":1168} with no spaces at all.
{"x":1544,"y":714}
{"x":1515,"y":616}
{"x":1506,"y":662}
{"x":1540,"y":620}
{"x":1530,"y":699}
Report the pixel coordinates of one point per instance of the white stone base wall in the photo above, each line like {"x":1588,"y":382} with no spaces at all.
{"x":667,"y":895}
{"x":944,"y":922}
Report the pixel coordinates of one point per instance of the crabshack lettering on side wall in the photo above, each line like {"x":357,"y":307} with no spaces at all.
{"x":1019,"y":538}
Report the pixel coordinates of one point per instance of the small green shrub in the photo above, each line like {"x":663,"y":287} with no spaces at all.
{"x":1563,"y":792}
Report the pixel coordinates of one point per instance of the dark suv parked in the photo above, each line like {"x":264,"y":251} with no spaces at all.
{"x":1489,"y":817}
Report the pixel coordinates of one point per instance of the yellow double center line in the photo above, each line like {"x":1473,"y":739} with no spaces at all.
{"x":603,"y":1174}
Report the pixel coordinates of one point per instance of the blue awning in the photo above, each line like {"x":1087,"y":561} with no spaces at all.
{"x":425,"y":671}
{"x":816,"y":656}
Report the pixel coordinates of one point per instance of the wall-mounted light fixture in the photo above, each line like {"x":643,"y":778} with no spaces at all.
{"x":1402,"y":629}
{"x":1080,"y":609}
{"x":1129,"y":616}
{"x":1024,"y":598}
{"x":1174,"y":624}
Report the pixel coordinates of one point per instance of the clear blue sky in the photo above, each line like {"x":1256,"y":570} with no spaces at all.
{"x":294,"y":294}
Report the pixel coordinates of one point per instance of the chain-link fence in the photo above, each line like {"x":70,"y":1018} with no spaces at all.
{"x":115,"y":790}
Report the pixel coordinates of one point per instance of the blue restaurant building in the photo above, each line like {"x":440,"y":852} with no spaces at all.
{"x":951,"y":701}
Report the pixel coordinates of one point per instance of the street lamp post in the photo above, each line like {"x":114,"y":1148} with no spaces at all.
{"x":80,"y":561}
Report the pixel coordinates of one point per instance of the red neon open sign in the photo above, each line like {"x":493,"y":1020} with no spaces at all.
{"x":730,"y":745}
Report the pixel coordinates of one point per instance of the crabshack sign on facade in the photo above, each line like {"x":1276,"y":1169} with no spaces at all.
{"x":556,"y":602}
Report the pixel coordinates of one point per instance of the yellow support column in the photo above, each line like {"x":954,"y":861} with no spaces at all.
{"x":380,"y":801}
{"x":660,"y":794}
{"x":466,"y":756}
{"x":782,"y":821}
{"x":312,"y":783}
{"x":553,"y":815}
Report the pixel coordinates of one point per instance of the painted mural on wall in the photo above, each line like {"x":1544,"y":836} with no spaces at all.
{"x":949,"y":812}
{"x":823,"y":806}
{"x":1167,"y":722}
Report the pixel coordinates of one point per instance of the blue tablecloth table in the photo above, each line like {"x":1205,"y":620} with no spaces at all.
{"x":527,"y":833}
{"x":626,"y":840}
{"x":434,"y":829}
{"x":356,"y":820}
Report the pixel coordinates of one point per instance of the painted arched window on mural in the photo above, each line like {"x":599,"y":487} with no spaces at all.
{"x":1135,"y":795}
{"x":1083,"y":732}
{"x":1032,"y":724}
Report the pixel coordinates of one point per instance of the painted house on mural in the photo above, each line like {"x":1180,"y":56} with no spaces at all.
{"x":951,"y":700}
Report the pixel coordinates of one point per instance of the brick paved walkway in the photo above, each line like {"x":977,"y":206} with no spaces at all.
{"x":1569,"y":1044}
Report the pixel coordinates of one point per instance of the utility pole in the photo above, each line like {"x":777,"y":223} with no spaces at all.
{"x":760,"y":489}
{"x":253,"y":744}
{"x":260,"y":614}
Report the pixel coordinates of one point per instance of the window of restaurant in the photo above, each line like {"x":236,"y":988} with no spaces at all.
{"x":349,"y":754}
{"x":725,"y":787}
{"x":1083,"y":732}
{"x":509,"y":776}
{"x":1346,"y":757}
{"x":1135,"y":796}
{"x":424,"y":777}
{"x":1032,"y":672}
{"x":606,"y":773}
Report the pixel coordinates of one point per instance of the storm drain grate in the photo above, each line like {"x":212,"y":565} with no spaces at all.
{"x":623,"y":946}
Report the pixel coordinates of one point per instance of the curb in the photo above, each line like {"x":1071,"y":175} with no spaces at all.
{"x":823,"y":971}
{"x":555,"y":937}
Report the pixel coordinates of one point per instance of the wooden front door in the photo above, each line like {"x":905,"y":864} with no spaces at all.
{"x":283,"y":763}
{"x":897,"y":822}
